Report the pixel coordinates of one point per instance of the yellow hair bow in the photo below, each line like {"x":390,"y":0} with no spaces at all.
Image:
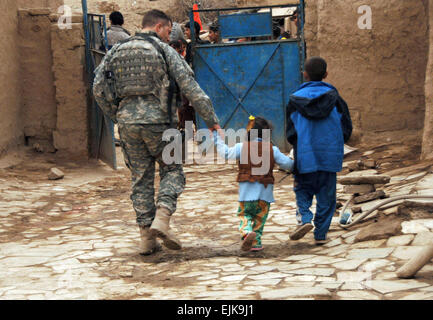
{"x":251,"y":123}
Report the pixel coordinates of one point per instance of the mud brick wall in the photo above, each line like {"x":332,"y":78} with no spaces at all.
{"x":37,"y":82}
{"x":380,"y":72}
{"x":244,"y":3}
{"x":131,"y":10}
{"x":10,"y":125}
{"x":44,"y":4}
{"x":427,"y":150}
{"x":71,"y":134}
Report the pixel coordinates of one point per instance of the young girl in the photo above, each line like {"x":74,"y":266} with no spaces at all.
{"x":255,"y":190}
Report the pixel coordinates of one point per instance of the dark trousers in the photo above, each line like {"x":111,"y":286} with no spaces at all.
{"x":322,"y":185}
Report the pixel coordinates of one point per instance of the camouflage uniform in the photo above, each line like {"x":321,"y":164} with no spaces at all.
{"x":142,"y":121}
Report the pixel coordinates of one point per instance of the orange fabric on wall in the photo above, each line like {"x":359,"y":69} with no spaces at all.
{"x":197,"y":16}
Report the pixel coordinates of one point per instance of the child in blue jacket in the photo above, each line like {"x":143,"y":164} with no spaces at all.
{"x":255,"y":187}
{"x":318,"y":125}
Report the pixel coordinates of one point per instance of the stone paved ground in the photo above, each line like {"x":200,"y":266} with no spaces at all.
{"x":76,"y":238}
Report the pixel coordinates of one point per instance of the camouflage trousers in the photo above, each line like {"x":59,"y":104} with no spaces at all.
{"x":142,"y":147}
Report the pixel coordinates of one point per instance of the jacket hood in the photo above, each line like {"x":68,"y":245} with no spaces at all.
{"x":314,"y":100}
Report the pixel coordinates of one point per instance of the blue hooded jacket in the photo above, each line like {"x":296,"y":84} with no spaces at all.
{"x":318,"y":125}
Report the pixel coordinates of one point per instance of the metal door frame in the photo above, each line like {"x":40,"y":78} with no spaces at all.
{"x":300,"y":39}
{"x":101,"y":128}
{"x":300,"y":5}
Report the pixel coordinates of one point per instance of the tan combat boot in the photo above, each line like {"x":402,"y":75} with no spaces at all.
{"x":148,"y":244}
{"x":160,"y":229}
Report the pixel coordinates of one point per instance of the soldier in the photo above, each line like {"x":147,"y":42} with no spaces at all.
{"x":143,"y":116}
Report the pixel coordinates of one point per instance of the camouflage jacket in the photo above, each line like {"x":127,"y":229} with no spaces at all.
{"x":152,"y":109}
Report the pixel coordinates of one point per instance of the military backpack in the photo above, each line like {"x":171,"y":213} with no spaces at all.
{"x":136,"y":69}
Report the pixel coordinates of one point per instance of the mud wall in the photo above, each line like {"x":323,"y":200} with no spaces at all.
{"x":52,"y":83}
{"x":10,"y":125}
{"x":427,"y":150}
{"x":40,"y":4}
{"x":71,"y":134}
{"x":38,"y":102}
{"x":380,"y":72}
{"x":265,"y":2}
{"x":131,"y":10}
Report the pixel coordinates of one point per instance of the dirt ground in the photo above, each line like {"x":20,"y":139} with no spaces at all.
{"x":76,"y":238}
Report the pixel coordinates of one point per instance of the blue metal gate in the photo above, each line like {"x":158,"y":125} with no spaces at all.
{"x":101,"y":128}
{"x":250,"y":78}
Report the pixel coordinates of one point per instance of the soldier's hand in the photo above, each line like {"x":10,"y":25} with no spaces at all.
{"x":217,"y":128}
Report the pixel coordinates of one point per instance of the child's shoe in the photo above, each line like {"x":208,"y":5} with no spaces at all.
{"x":301,"y":231}
{"x":256,"y":249}
{"x":248,"y":241}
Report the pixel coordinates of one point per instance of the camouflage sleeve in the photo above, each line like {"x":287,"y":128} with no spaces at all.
{"x":98,"y":92}
{"x":189,"y":87}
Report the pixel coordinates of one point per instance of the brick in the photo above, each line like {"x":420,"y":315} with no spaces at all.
{"x":39,"y":12}
{"x":371,"y":164}
{"x":359,"y":189}
{"x":354,"y":166}
{"x":370,"y":196}
{"x":371,"y":179}
{"x":390,"y":211}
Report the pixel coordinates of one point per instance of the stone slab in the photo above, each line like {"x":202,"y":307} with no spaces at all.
{"x":370,"y":197}
{"x":364,"y":179}
{"x":375,"y":265}
{"x":324,"y":272}
{"x":294,"y":292}
{"x":390,"y":211}
{"x":23,"y":261}
{"x":369,"y":172}
{"x":353,"y":276}
{"x":300,"y":257}
{"x":419,"y":296}
{"x":428,"y":223}
{"x":410,"y":227}
{"x":268,"y":275}
{"x":425,"y":184}
{"x":423,"y":239}
{"x":349,"y":264}
{"x":398,"y":241}
{"x":357,"y":295}
{"x":406,"y":253}
{"x":325,"y":260}
{"x":369,"y":244}
{"x":387,"y":286}
{"x":376,"y":253}
{"x":380,"y":230}
{"x":359,"y":189}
